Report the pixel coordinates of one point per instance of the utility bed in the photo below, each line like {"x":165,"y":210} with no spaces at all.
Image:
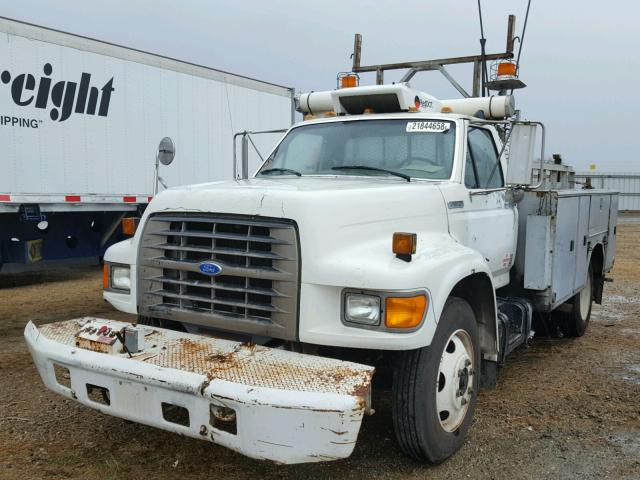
{"x":263,"y":402}
{"x":559,"y":233}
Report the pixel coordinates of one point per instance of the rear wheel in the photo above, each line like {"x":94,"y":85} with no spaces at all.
{"x":575,"y":323}
{"x":435,"y":387}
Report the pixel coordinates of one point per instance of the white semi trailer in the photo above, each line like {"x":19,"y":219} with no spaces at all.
{"x":80,"y":124}
{"x":390,"y":230}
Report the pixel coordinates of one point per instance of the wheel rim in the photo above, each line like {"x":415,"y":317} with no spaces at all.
{"x":454,"y":385}
{"x":585,"y":299}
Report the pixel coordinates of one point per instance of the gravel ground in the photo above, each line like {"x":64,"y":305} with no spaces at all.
{"x":564,"y":408}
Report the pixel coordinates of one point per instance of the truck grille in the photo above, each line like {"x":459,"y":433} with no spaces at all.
{"x":256,"y":291}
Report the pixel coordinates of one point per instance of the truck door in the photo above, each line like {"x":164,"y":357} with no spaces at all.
{"x":479,"y":216}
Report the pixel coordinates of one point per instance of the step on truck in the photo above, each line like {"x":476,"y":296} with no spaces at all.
{"x":389,"y":230}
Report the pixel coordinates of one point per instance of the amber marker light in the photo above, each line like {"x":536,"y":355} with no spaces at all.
{"x":404,"y":245}
{"x":404,"y":312}
{"x":105,"y":275}
{"x":507,"y":69}
{"x":348,"y":81}
{"x":129,"y":226}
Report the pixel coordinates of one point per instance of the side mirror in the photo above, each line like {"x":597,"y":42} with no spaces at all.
{"x":165,"y":155}
{"x":166,"y":151}
{"x":520,"y":160}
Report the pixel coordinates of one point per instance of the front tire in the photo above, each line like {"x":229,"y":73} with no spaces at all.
{"x":435,"y":388}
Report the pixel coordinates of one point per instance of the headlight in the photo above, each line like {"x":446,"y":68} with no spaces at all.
{"x":364,"y":309}
{"x":120,"y":277}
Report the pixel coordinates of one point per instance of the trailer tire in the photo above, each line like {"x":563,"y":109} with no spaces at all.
{"x":435,"y":387}
{"x":575,"y":322}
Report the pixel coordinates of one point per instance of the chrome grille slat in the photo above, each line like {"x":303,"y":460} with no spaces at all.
{"x":217,"y":286}
{"x":222,"y":236}
{"x":197,"y":298}
{"x":257,"y":289}
{"x":230,"y":221}
{"x":252,"y":325}
{"x":225,"y":251}
{"x":252,"y":272}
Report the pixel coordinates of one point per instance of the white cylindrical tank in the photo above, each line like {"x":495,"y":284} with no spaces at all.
{"x":495,"y":107}
{"x":314,"y":102}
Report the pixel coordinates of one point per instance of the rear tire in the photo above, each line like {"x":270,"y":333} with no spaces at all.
{"x":435,"y":387}
{"x":575,"y":323}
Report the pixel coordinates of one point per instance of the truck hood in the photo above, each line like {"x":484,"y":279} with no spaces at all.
{"x":334,"y":215}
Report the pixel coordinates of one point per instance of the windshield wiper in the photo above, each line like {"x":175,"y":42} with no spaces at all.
{"x":281,"y":170}
{"x":375,"y":169}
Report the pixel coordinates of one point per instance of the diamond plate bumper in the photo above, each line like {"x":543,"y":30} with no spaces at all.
{"x":287,"y":407}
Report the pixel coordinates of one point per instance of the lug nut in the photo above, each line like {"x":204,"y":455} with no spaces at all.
{"x":463,"y":401}
{"x":467,"y":362}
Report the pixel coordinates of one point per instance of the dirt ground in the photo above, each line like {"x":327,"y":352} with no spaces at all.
{"x":564,"y":408}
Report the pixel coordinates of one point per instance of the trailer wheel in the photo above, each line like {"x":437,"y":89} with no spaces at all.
{"x":575,"y":323}
{"x":161,"y":323}
{"x":435,"y":387}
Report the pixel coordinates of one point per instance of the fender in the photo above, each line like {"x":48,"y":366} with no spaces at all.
{"x":467,"y":265}
{"x":438,"y":266}
{"x":123,"y":252}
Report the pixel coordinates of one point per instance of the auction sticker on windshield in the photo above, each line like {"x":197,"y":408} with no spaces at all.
{"x":436,"y":127}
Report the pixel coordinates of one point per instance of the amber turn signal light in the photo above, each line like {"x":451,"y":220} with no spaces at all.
{"x":105,"y":275}
{"x":404,"y":245}
{"x":129,"y":226}
{"x":404,"y":312}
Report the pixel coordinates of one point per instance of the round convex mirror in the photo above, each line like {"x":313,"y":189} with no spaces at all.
{"x":166,"y":151}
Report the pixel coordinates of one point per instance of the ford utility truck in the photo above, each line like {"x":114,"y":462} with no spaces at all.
{"x":389,"y":230}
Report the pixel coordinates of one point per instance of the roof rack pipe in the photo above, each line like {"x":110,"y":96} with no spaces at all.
{"x":453,"y":82}
{"x":357,"y":51}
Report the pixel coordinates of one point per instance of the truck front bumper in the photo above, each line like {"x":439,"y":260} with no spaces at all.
{"x":264,"y":403}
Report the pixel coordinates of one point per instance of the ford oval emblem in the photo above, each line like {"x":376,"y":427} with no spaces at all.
{"x":210,"y":268}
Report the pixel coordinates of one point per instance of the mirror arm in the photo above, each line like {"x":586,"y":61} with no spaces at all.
{"x":504,"y":146}
{"x":541,"y":171}
{"x":155,"y":175}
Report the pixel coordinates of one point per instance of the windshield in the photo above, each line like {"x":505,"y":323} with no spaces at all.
{"x":415,"y":148}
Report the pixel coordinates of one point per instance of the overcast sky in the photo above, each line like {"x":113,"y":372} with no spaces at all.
{"x":580,"y":58}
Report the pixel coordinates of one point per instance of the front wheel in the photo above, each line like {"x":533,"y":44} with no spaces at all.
{"x":435,"y":388}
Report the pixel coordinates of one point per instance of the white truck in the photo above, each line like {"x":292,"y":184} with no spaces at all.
{"x":80,"y":122}
{"x":392,"y":231}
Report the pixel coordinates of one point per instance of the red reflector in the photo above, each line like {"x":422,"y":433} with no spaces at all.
{"x":72,"y":198}
{"x":103,"y":329}
{"x":5,"y":198}
{"x":129,"y":199}
{"x":149,"y":199}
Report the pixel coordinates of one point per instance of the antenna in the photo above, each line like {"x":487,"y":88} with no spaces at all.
{"x":483,"y":59}
{"x":524,"y":29}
